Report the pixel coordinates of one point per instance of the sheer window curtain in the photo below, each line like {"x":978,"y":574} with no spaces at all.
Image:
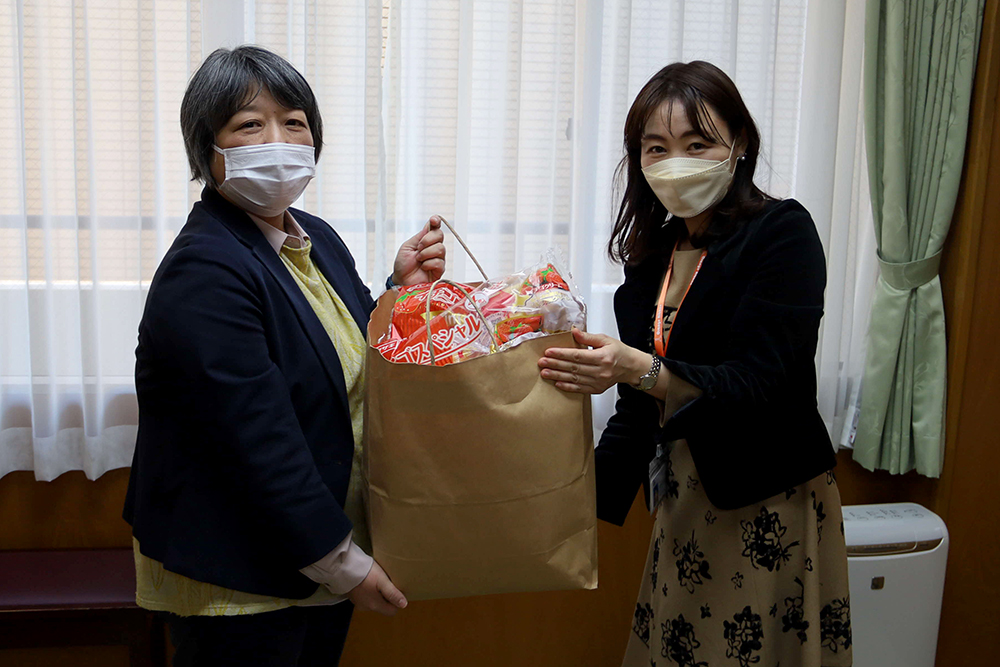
{"x":504,"y":117}
{"x":832,"y":182}
{"x":93,"y":187}
{"x":338,"y":46}
{"x":508,"y":117}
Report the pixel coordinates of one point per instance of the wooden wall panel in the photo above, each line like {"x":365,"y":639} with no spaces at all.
{"x":970,"y":616}
{"x":557,"y":629}
{"x":860,"y":487}
{"x":552,"y":629}
{"x":69,"y":512}
{"x":81,"y":656}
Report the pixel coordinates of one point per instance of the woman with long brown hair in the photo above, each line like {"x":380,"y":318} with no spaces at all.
{"x":716,"y":417}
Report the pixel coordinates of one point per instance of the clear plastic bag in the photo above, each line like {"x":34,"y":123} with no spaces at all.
{"x":468,"y":321}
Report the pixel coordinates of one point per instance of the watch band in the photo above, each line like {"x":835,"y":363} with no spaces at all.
{"x":648,"y":381}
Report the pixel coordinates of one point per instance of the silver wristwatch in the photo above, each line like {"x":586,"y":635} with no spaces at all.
{"x":648,"y":381}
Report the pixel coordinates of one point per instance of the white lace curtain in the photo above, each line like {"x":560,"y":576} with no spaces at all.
{"x":505,"y":117}
{"x":93,"y":188}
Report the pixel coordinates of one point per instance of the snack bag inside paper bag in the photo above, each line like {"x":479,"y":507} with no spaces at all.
{"x":466,"y":323}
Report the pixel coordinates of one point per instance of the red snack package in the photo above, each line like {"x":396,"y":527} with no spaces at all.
{"x":387,"y":348}
{"x":544,"y":278}
{"x":410,"y":309}
{"x":466,"y":323}
{"x":517,"y":325}
{"x":498,"y":302}
{"x":454,"y":336}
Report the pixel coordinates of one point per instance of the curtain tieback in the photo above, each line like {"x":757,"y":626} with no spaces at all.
{"x":910,"y":275}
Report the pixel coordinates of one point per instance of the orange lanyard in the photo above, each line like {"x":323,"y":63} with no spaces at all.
{"x":659,"y":342}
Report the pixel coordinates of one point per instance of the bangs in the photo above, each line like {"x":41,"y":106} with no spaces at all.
{"x":696,"y":110}
{"x":246,"y":82}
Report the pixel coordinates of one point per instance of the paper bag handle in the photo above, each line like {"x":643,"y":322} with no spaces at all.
{"x":469,"y":252}
{"x":427,"y":313}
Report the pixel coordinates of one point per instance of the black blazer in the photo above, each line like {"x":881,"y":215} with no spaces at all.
{"x":244,"y":447}
{"x":746,"y":336}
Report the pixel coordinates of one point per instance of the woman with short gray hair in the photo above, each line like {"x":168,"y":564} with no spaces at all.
{"x":244,"y":497}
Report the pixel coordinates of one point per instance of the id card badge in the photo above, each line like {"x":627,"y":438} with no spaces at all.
{"x":657,"y":479}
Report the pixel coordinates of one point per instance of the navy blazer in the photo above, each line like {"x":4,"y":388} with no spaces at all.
{"x":245,"y":443}
{"x":746,"y":335}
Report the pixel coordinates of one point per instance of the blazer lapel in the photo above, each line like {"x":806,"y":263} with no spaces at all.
{"x":635,"y":302}
{"x":337,"y":274}
{"x":243,"y":228}
{"x":692,"y":301}
{"x":713,"y":270}
{"x":320,"y":339}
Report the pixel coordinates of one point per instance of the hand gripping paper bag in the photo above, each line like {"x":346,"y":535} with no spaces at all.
{"x":480,"y":475}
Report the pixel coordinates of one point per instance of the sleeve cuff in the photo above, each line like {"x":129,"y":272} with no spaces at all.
{"x":680,"y":393}
{"x":342,"y":569}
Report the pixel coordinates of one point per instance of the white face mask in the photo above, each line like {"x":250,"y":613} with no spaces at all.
{"x":264,"y":179}
{"x":689,"y":186}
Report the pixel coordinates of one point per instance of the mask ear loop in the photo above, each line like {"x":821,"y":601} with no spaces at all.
{"x":225,"y":162}
{"x":732,"y":149}
{"x":741,"y":158}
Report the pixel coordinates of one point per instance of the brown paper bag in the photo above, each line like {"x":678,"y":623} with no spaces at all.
{"x":480,"y":475}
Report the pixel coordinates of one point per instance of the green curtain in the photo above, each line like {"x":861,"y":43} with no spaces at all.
{"x":920,"y":61}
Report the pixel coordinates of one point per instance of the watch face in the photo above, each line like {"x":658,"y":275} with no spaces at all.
{"x":648,"y":381}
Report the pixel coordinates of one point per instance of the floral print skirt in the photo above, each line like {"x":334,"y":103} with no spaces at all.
{"x":764,"y":585}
